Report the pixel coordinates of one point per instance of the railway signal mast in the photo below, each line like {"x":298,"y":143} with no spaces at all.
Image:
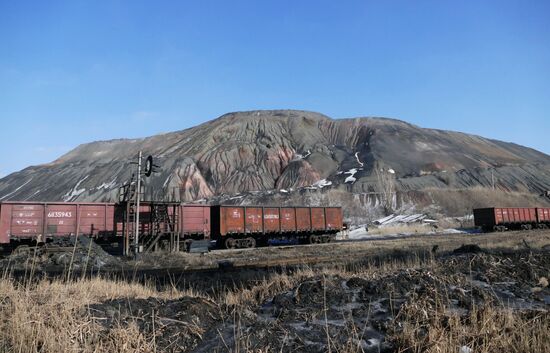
{"x":147,"y":172}
{"x":138,"y":198}
{"x":127,"y":196}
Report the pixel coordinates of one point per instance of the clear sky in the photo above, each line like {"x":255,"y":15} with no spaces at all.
{"x":78,"y":71}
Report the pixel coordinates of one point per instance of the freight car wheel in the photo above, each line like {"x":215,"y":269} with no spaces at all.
{"x":230,"y":243}
{"x":314,"y":239}
{"x":251,"y":243}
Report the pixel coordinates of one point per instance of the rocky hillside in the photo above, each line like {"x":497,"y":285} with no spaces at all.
{"x":290,"y":156}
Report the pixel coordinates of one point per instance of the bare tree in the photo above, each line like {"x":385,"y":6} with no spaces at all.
{"x":386,"y":186}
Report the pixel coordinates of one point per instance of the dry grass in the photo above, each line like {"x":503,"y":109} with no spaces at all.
{"x":55,"y":316}
{"x":486,"y":329}
{"x":51,"y":316}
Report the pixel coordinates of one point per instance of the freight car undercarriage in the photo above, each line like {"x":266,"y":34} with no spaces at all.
{"x":514,"y":226}
{"x":244,"y":241}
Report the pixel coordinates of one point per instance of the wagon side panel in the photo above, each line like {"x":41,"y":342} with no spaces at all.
{"x":303,"y":219}
{"x":27,"y":220}
{"x":318,"y":219}
{"x":333,"y":218}
{"x":231,"y":220}
{"x":254,"y":220}
{"x":195,"y":220}
{"x":288,"y":219}
{"x":271,"y":220}
{"x":61,"y":219}
{"x":5,"y":223}
{"x":93,"y":219}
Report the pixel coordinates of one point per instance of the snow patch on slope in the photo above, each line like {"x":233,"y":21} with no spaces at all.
{"x":107,"y":186}
{"x":298,"y":156}
{"x":351,"y":178}
{"x":73,"y":194}
{"x":321,"y":184}
{"x":16,"y":190}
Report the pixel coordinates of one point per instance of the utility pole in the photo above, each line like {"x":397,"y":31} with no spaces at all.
{"x":138,"y":198}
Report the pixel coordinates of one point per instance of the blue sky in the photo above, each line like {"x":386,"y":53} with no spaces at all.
{"x":78,"y":71}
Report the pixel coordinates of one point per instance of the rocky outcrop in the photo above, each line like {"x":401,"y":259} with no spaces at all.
{"x":266,"y":151}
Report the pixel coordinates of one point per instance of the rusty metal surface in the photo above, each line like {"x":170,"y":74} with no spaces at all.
{"x":334,"y":218}
{"x":195,"y":219}
{"x":489,"y":217}
{"x":271,"y":220}
{"x":543,"y":214}
{"x":33,"y":220}
{"x":288,"y":219}
{"x":254,"y":220}
{"x":513,"y":215}
{"x":274,"y":220}
{"x":303,"y":219}
{"x":318,"y":219}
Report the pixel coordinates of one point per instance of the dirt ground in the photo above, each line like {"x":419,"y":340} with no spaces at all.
{"x":92,"y":258}
{"x":475,"y":293}
{"x":389,"y":308}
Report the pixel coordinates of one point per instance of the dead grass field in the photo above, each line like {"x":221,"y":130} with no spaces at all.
{"x":339,"y":252}
{"x":412,"y":304}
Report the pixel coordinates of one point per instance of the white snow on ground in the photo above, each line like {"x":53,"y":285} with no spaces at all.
{"x":361,"y":233}
{"x":391,"y":171}
{"x":236,"y":197}
{"x":283,"y":191}
{"x":107,"y":186}
{"x":357,"y":157}
{"x":167,"y":180}
{"x":453,"y":231}
{"x":16,"y":190}
{"x":298,"y":156}
{"x":351,"y":178}
{"x":427,"y":220}
{"x":72,"y":194}
{"x":321,"y":184}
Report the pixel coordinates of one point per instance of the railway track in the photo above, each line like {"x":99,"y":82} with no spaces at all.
{"x":232,"y":263}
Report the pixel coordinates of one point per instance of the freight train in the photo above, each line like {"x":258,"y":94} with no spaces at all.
{"x":172,"y":226}
{"x":504,"y":218}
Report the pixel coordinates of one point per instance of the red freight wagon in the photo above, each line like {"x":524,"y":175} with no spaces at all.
{"x":303,"y":219}
{"x":195,"y":221}
{"x":543,"y":215}
{"x":288,"y":219}
{"x":500,"y":219}
{"x":243,"y":226}
{"x":39,"y":221}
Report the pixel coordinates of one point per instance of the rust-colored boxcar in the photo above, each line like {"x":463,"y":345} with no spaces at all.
{"x":194,"y":221}
{"x":500,"y":218}
{"x":543,"y":215}
{"x":263,"y":223}
{"x":39,"y":221}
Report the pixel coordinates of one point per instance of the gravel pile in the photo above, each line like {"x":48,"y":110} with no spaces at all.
{"x":58,"y":255}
